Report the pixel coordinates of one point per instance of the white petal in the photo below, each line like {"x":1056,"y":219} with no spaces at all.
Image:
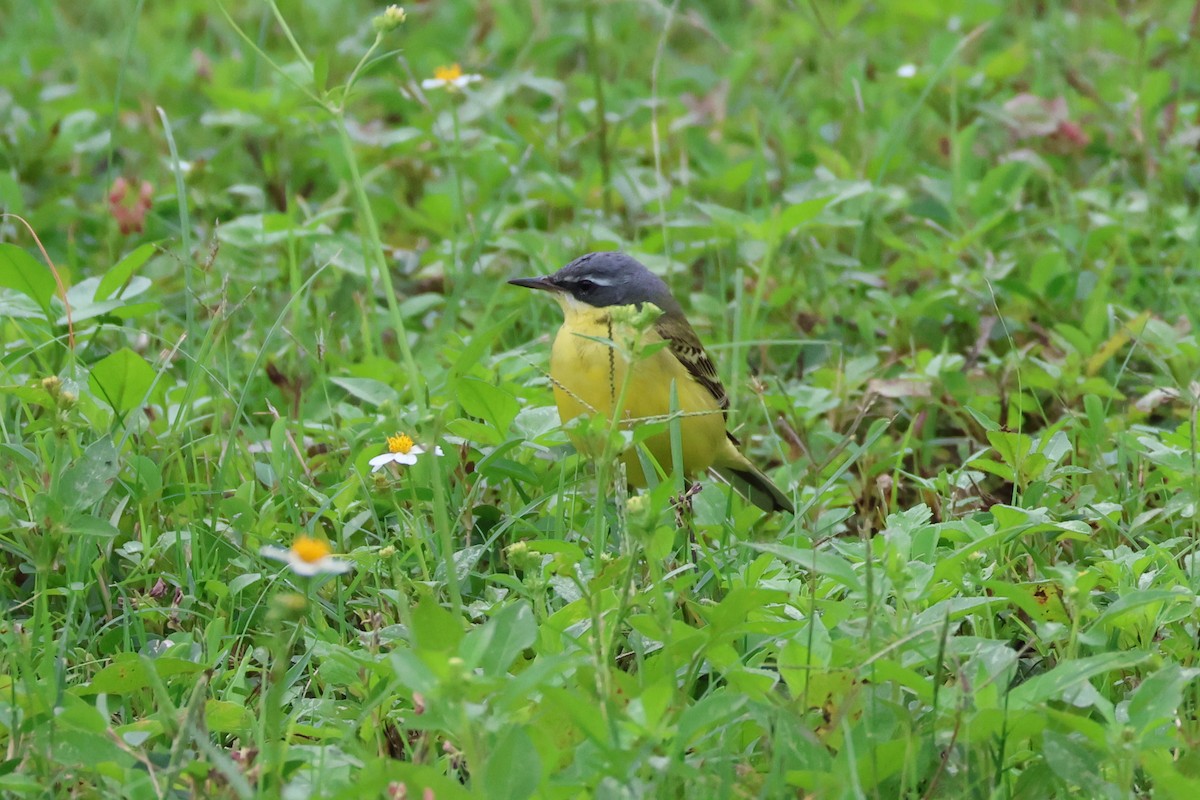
{"x":276,"y":553}
{"x":437,"y":451}
{"x":417,"y":450}
{"x":379,"y":462}
{"x":432,"y":83}
{"x":404,"y":458}
{"x":305,"y":568}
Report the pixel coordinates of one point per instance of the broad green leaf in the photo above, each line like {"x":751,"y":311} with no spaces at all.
{"x":411,"y":671}
{"x":784,"y":223}
{"x":496,"y":645}
{"x":320,"y":70}
{"x":731,"y":613}
{"x":823,"y":562}
{"x":488,"y":402}
{"x":1171,"y":776}
{"x":222,"y":716}
{"x":127,"y":674}
{"x":87,"y":525}
{"x":1132,"y":601}
{"x":1070,"y":758}
{"x":369,"y":390}
{"x":244,"y":580}
{"x":131,"y":310}
{"x":122,"y":379}
{"x":167,"y":666}
{"x":535,"y":422}
{"x":146,"y":481}
{"x":18,"y":306}
{"x":1157,"y":700}
{"x":122,"y":271}
{"x":1067,"y":675}
{"x":514,"y":769}
{"x":88,"y":480}
{"x":86,"y":750}
{"x":434,"y":629}
{"x":22,"y":272}
{"x":710,"y":714}
{"x":381,"y":777}
{"x":477,"y":433}
{"x":86,"y":305}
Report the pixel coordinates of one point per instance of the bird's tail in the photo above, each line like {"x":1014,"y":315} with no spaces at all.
{"x":756,"y":487}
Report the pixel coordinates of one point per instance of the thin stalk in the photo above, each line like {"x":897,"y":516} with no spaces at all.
{"x":601,"y":118}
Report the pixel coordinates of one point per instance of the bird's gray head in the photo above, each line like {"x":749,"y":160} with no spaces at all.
{"x":607,"y":279}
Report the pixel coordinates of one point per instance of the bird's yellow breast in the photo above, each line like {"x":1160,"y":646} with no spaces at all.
{"x":602,"y":364}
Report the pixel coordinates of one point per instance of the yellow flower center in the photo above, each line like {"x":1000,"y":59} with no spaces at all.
{"x":400,"y":443}
{"x":310,"y":550}
{"x":448,"y":74}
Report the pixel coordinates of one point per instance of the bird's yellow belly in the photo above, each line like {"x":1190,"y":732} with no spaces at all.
{"x":590,"y":377}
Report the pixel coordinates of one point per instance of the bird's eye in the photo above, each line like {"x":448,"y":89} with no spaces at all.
{"x":585,"y":285}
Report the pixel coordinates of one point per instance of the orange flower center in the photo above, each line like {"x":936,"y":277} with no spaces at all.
{"x":449,"y":75}
{"x":310,"y":550}
{"x":400,"y":443}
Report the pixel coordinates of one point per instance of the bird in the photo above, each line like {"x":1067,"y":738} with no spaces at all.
{"x":604,"y":296}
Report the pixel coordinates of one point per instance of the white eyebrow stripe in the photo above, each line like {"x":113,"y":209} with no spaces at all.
{"x":596,"y":279}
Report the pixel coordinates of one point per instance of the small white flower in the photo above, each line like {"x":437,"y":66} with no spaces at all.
{"x":308,"y":556}
{"x":401,"y":451}
{"x":907,"y":70}
{"x":451,"y":77}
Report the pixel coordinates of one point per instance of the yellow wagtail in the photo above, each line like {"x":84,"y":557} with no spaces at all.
{"x":600,"y":294}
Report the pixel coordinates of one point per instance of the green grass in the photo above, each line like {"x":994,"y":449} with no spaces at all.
{"x":956,"y":320}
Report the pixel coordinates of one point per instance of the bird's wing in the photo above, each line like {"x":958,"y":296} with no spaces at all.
{"x":685,"y":346}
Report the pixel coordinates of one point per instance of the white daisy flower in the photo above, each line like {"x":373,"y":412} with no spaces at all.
{"x":308,"y":557}
{"x":401,"y":452}
{"x":451,"y":77}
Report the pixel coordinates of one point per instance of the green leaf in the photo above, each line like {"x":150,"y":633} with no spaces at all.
{"x":369,"y":390}
{"x":222,"y":716}
{"x":88,"y":480}
{"x":1131,"y":601}
{"x":784,"y":223}
{"x":134,"y":310}
{"x":81,"y":749}
{"x":496,"y":645}
{"x":514,"y":769}
{"x":87,"y":525}
{"x":821,"y":561}
{"x":123,"y":270}
{"x":434,"y":628}
{"x":711,"y":714}
{"x":320,"y":69}
{"x":412,"y":673}
{"x":146,"y":481}
{"x":21,"y":271}
{"x":488,"y":402}
{"x":1070,"y":758}
{"x":475,"y":432}
{"x":167,"y":666}
{"x":122,"y":380}
{"x":1054,"y":684}
{"x":1157,"y":700}
{"x":85,"y":305}
{"x":533,"y":423}
{"x":127,"y":674}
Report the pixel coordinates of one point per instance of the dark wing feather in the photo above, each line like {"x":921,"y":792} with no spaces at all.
{"x":685,"y":346}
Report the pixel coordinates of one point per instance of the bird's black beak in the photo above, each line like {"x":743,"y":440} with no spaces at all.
{"x":543,"y":282}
